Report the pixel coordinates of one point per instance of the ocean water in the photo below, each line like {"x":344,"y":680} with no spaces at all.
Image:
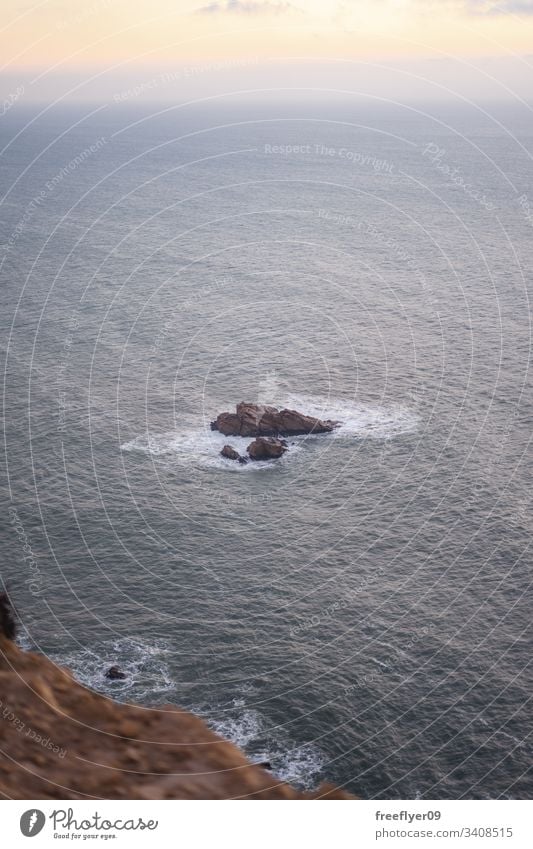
{"x":359,"y":611}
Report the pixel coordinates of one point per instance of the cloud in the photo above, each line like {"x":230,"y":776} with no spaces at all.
{"x":245,"y":7}
{"x":484,"y":8}
{"x":504,"y":7}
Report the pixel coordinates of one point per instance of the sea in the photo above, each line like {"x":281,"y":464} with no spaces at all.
{"x":358,"y":611}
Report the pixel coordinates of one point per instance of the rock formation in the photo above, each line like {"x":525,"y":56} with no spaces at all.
{"x":115,"y":674}
{"x":61,"y":741}
{"x":259,"y":420}
{"x":266,"y":448}
{"x":229,"y":453}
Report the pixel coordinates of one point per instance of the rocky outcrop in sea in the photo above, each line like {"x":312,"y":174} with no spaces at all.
{"x":260,"y":420}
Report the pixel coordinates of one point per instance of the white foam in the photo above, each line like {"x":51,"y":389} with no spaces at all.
{"x":363,"y":421}
{"x":252,"y":732}
{"x":143,"y":663}
{"x":201,"y":446}
{"x":301,"y":765}
{"x":242,"y":728}
{"x":25,"y":642}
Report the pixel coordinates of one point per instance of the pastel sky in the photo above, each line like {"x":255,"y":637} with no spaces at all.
{"x":62,"y":37}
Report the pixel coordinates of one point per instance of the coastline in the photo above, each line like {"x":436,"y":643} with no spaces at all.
{"x":61,"y":740}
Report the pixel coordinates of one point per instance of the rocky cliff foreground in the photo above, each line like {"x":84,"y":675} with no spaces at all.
{"x":59,"y":740}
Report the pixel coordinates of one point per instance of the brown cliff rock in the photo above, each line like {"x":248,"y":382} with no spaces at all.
{"x":61,"y":741}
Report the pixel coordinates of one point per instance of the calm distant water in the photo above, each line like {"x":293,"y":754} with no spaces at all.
{"x":361,"y":610}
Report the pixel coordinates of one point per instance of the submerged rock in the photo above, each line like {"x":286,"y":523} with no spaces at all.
{"x":260,"y":420}
{"x":115,"y":674}
{"x":266,"y":448}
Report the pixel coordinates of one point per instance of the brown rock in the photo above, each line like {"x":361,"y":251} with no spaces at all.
{"x":228,"y":424}
{"x":115,"y":674}
{"x":256,"y":419}
{"x":292,"y":423}
{"x":259,"y":420}
{"x":229,"y":453}
{"x":264,"y":448}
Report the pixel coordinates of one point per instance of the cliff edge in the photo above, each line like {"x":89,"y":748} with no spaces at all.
{"x":59,"y":740}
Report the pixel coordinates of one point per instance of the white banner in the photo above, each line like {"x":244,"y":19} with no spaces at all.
{"x":268,"y":825}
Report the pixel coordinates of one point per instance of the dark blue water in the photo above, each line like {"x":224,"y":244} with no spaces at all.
{"x":360,"y":610}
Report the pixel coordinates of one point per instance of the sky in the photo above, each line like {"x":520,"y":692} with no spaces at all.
{"x":103,"y":47}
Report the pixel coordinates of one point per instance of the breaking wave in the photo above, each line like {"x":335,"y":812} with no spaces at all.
{"x":299,"y":764}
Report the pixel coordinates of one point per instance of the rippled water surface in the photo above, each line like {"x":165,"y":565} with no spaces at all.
{"x":359,"y":610}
